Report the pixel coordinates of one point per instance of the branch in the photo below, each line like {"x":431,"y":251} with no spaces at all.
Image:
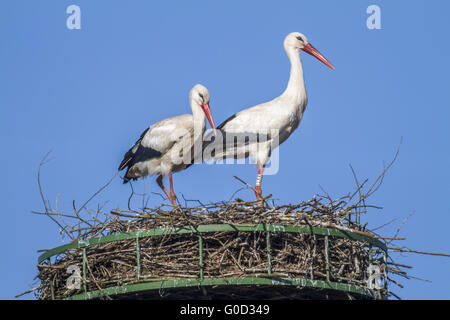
{"x":47,"y":210}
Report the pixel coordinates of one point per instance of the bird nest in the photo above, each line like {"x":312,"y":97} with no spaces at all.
{"x":317,"y":241}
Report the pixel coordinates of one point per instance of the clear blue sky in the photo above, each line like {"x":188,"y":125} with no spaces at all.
{"x":87,"y":95}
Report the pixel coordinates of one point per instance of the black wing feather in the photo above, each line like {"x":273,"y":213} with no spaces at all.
{"x":235,"y":138}
{"x":130,"y":154}
{"x":226,"y":121}
{"x":140,"y":154}
{"x":211,"y":138}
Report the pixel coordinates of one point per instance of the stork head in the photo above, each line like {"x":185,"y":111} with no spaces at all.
{"x":199,"y":96}
{"x":298,"y":41}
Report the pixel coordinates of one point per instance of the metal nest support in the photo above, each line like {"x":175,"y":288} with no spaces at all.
{"x":311,"y":259}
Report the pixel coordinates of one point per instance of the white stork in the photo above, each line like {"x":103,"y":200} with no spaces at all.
{"x":170,"y":145}
{"x":249,"y":132}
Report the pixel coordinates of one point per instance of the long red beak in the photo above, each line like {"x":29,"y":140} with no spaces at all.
{"x":308,"y":48}
{"x":207,"y":112}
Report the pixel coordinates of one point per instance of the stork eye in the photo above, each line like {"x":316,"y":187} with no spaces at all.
{"x":201,"y":96}
{"x":300,"y":38}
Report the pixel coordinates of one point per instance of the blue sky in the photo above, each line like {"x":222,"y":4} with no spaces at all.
{"x":87,"y":95}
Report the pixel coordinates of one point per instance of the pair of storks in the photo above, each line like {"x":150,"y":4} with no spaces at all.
{"x":172,"y":144}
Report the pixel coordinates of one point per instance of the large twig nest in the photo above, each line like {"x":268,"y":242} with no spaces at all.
{"x":225,"y":254}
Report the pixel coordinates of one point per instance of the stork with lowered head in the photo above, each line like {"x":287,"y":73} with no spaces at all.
{"x":169,"y":146}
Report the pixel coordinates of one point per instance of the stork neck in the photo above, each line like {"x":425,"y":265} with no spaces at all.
{"x":296,"y":86}
{"x":199,"y":119}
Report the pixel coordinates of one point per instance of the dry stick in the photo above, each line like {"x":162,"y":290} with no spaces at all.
{"x":248,"y":185}
{"x":384,"y":225}
{"x":400,"y":265}
{"x":389,"y":238}
{"x":188,"y":200}
{"x":131,"y":195}
{"x":360,"y":191}
{"x":43,"y":162}
{"x":98,"y":191}
{"x":94,"y":218}
{"x":78,"y":215}
{"x":401,"y":225}
{"x":419,"y":252}
{"x":25,"y":292}
{"x":385,"y":169}
{"x":242,"y":181}
{"x":326,"y":194}
{"x":54,"y":214}
{"x":96,"y":283}
{"x":236,"y":192}
{"x":393,"y":294}
{"x":158,"y":194}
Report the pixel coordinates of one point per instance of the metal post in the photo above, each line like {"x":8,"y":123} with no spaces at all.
{"x":200,"y":249}
{"x":269,"y":261}
{"x":327,"y":258}
{"x":370,"y":263}
{"x":84,"y":270}
{"x":138,"y":258}
{"x":52,"y":289}
{"x":385,"y":269}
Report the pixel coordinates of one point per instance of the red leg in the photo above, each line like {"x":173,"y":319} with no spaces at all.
{"x":160,"y":183}
{"x":172,"y":192}
{"x":258,"y":191}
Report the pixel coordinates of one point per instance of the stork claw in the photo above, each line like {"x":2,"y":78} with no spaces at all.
{"x":259,"y":197}
{"x":258,"y":192}
{"x":173,"y":200}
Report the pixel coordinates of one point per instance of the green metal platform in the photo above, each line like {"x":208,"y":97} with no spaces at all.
{"x":153,"y":289}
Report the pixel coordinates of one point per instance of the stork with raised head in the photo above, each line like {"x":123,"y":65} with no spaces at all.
{"x":170,"y":145}
{"x":282,"y":115}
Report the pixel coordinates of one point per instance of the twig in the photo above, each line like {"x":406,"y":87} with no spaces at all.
{"x":98,"y":191}
{"x":43,"y":162}
{"x":419,"y":252}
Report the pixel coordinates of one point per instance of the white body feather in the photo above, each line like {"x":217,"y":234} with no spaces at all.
{"x":169,"y":145}
{"x":170,"y":136}
{"x":281,"y":115}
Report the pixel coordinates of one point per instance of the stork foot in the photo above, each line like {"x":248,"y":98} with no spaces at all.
{"x":257,"y":189}
{"x":258,"y":194}
{"x":173,"y":199}
{"x":171,"y":196}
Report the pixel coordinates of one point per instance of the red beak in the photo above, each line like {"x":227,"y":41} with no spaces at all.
{"x":207,"y":112}
{"x":308,"y":48}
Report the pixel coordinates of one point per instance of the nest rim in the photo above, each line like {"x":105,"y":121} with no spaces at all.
{"x":260,"y":280}
{"x":268,"y":280}
{"x":205,"y":228}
